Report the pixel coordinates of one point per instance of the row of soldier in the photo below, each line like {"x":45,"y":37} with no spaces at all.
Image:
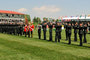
{"x":80,"y":28}
{"x":17,"y":29}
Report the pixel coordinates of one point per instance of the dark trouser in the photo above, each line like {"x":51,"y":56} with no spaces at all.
{"x":66,"y":35}
{"x":85,"y":41}
{"x":28,"y":34}
{"x":75,"y":36}
{"x":25,"y":34}
{"x":69,"y":36}
{"x":44,"y":34}
{"x":18,"y":32}
{"x":31,"y":34}
{"x":57,"y":37}
{"x":59,"y":34}
{"x":80,"y":36}
{"x":21,"y":32}
{"x":14,"y":31}
{"x":50,"y":35}
{"x":39,"y":34}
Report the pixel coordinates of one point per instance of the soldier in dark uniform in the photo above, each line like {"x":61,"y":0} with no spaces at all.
{"x":44,"y":30}
{"x":0,"y":28}
{"x":15,"y":26}
{"x":18,"y":31}
{"x":85,"y":32}
{"x":9,"y":28}
{"x":75,"y":31}
{"x":69,"y":32}
{"x":39,"y":31}
{"x":50,"y":31}
{"x":66,"y":30}
{"x":57,"y":32}
{"x":80,"y":33}
{"x":89,"y":26}
{"x":21,"y":30}
{"x":60,"y":29}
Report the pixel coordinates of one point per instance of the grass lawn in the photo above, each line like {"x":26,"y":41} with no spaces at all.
{"x":20,"y":48}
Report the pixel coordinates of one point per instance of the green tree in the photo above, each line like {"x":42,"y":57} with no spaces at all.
{"x":39,"y":20}
{"x":45,"y":19}
{"x":57,"y":20}
{"x":36,"y":20}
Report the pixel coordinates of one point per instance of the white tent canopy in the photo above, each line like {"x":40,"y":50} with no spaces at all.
{"x":75,"y":18}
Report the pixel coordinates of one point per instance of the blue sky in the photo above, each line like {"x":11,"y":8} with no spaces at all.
{"x":47,"y":8}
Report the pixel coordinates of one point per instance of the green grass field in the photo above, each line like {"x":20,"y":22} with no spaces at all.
{"x":23,"y":48}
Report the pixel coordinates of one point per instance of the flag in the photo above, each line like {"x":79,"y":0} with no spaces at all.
{"x":26,"y":20}
{"x":66,"y":18}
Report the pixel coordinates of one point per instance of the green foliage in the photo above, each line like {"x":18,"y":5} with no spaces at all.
{"x":45,"y":19}
{"x":36,"y":20}
{"x":57,"y":20}
{"x":29,"y":19}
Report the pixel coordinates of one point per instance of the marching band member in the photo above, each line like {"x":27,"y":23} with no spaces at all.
{"x":31,"y":29}
{"x":25,"y":30}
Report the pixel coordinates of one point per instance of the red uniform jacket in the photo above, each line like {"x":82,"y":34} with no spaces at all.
{"x":31,"y":27}
{"x":25,"y":28}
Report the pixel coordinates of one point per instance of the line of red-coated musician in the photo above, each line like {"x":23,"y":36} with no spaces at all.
{"x":28,"y":30}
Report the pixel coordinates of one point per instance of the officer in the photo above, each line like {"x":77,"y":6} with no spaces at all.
{"x":44,"y":29}
{"x":60,"y":29}
{"x":50,"y":31}
{"x":57,"y":32}
{"x":85,"y":32}
{"x":39,"y":31}
{"x":75,"y":31}
{"x":80,"y":33}
{"x":69,"y":32}
{"x":66,"y":30}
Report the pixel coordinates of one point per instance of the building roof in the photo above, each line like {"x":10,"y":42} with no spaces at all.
{"x":10,"y":12}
